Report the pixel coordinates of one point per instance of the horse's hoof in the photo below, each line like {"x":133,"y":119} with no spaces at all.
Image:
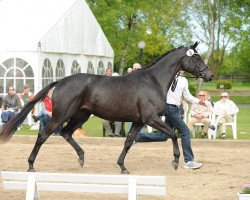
{"x":125,"y":171}
{"x":31,"y":170}
{"x":80,"y":161}
{"x":175,"y":165}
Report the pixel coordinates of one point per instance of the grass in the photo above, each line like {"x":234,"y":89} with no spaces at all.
{"x":94,"y":127}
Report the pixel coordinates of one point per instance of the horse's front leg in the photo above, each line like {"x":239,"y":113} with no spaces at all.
{"x":128,"y":143}
{"x":158,"y":124}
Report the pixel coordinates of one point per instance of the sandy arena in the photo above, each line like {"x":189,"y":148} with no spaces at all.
{"x":226,"y":166}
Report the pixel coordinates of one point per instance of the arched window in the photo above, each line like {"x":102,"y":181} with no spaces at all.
{"x":15,"y":72}
{"x":60,"y":70}
{"x":100,"y":69}
{"x":109,"y":65}
{"x":90,"y":69}
{"x":75,"y":68}
{"x":47,"y":73}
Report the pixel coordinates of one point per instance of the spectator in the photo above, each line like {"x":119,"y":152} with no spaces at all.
{"x":224,"y":110}
{"x":108,"y":124}
{"x":108,"y":71}
{"x":129,"y":70}
{"x":11,"y":105}
{"x":46,"y":110}
{"x":26,"y":95}
{"x":136,"y":66}
{"x":200,"y":114}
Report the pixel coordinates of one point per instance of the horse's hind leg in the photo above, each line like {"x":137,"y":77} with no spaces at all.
{"x":136,"y":127}
{"x":67,"y":131}
{"x":42,"y":137}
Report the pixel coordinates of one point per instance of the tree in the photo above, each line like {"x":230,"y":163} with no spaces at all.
{"x":162,"y":24}
{"x":219,"y":23}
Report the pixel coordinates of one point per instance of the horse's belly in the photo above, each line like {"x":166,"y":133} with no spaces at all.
{"x":116,"y":112}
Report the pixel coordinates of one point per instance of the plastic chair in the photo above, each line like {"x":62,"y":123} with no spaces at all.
{"x":198,"y":124}
{"x":233,"y":124}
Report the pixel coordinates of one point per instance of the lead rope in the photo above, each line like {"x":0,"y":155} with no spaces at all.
{"x":175,"y":82}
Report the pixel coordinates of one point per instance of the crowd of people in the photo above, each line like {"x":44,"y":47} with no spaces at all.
{"x":12,"y":103}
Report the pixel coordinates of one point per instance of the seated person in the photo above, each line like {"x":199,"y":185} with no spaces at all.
{"x":46,"y":110}
{"x":200,"y":114}
{"x":224,"y":110}
{"x":11,"y":105}
{"x":107,"y":125}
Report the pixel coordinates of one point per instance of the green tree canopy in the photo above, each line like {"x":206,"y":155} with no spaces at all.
{"x":162,"y":24}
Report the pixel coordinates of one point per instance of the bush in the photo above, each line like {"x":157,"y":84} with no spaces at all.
{"x":192,"y":89}
{"x":223,"y":84}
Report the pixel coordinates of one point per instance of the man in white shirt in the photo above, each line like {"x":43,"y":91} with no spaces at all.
{"x":178,"y":90}
{"x":224,"y":110}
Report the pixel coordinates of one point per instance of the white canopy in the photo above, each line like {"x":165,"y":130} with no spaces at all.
{"x":60,"y":26}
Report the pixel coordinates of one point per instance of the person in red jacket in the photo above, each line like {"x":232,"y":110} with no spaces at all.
{"x":46,"y":111}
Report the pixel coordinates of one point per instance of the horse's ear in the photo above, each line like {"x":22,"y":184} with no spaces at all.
{"x":195,"y":44}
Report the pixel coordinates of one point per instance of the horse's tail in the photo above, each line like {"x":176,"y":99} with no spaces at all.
{"x":11,"y":126}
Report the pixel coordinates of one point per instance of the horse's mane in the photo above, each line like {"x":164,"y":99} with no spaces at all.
{"x":155,"y":60}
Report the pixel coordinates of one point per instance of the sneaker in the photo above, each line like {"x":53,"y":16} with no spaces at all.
{"x":35,"y":118}
{"x":223,"y":136}
{"x":192,"y":165}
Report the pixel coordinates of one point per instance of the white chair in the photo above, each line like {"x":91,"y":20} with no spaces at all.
{"x":233,"y":124}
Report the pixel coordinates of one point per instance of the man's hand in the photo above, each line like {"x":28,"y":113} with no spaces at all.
{"x":203,"y":103}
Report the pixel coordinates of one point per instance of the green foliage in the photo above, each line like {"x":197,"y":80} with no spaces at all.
{"x":223,"y":26}
{"x":192,"y":89}
{"x":161,"y":24}
{"x":225,"y":84}
{"x":246,"y":191}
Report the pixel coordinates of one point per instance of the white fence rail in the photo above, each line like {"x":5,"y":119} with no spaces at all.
{"x":33,"y":182}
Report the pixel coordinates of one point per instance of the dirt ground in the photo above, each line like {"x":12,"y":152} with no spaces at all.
{"x":226,"y":166}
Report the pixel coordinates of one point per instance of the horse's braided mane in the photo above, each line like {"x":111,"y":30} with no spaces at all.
{"x":160,"y":57}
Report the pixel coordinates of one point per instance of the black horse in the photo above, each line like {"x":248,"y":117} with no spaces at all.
{"x":138,"y":97}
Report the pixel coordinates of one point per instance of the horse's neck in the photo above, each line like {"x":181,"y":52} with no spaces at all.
{"x":165,"y":72}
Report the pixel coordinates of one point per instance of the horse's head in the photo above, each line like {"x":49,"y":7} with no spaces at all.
{"x":194,"y":64}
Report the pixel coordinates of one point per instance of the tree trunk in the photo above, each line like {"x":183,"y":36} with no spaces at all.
{"x":131,"y":25}
{"x":211,"y":22}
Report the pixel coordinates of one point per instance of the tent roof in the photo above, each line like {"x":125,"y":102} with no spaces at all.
{"x":66,"y":26}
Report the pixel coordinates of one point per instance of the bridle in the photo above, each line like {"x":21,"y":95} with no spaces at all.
{"x":190,"y":53}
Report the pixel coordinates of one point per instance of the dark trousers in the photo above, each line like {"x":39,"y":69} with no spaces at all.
{"x":174,"y":120}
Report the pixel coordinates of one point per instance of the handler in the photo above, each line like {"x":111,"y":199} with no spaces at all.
{"x":178,"y":91}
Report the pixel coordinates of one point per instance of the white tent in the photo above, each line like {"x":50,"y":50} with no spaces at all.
{"x":45,"y":40}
